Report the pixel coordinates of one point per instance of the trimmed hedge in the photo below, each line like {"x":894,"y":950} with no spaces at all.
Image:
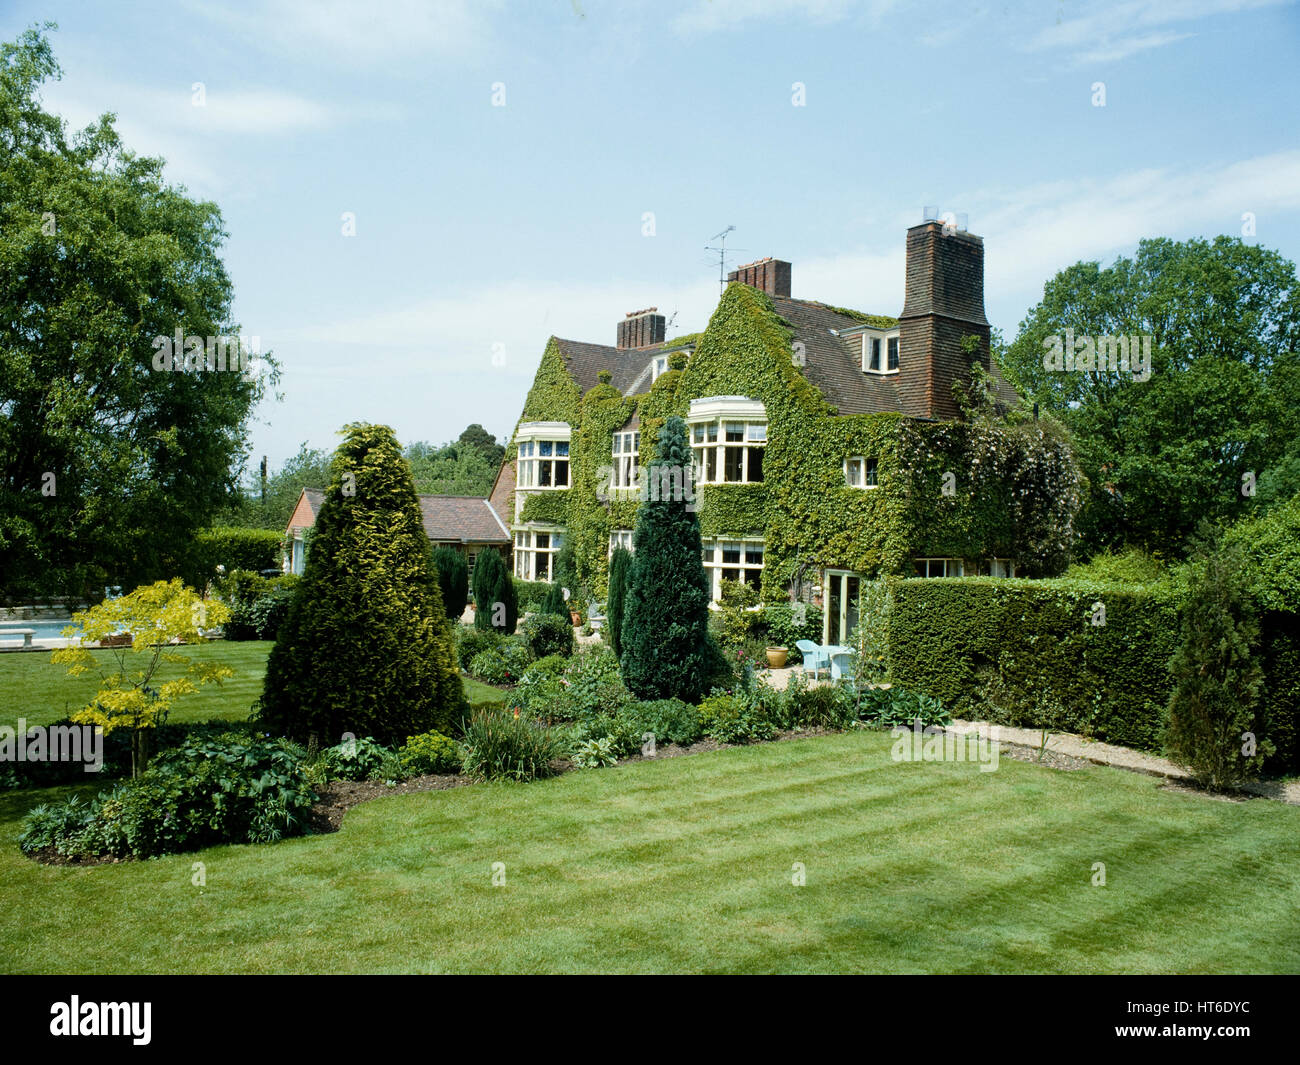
{"x":950,"y":638}
{"x":1033,"y":644}
{"x":246,"y":549}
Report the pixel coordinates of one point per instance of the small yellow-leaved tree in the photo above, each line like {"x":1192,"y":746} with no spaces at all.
{"x":159,"y":617}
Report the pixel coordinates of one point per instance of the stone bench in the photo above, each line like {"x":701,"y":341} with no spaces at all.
{"x":26,"y":634}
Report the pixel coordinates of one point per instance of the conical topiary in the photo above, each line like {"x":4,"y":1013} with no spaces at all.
{"x":366,"y":647}
{"x":664,"y":635}
{"x":495,"y":605}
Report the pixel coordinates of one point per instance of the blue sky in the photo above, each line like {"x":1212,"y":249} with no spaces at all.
{"x":481,"y":230}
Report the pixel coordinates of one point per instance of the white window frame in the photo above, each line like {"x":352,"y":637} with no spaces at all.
{"x":883,"y":336}
{"x":626,"y":450}
{"x":714,"y":565}
{"x":531,"y":466}
{"x":944,"y":566}
{"x":527,"y":549}
{"x":708,"y":423}
{"x":658,"y":365}
{"x":988,"y":566}
{"x":863,"y":469}
{"x":620,"y":538}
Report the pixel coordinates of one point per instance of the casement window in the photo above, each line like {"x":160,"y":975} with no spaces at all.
{"x":880,"y":352}
{"x":620,"y":538}
{"x":543,"y":455}
{"x":940,"y":567}
{"x":627,"y":449}
{"x":728,"y":439}
{"x":861,"y":472}
{"x":732,"y":560}
{"x":728,"y":451}
{"x":997,"y":567}
{"x":535,"y":552}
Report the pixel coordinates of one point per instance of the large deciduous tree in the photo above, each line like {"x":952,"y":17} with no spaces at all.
{"x":664,"y":636}
{"x":1222,"y":403}
{"x":107,"y":465}
{"x":366,"y":647}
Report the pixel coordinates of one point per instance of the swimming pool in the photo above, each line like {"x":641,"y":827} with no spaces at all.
{"x":45,"y":629}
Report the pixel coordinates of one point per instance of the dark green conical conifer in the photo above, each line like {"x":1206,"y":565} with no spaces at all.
{"x":664,"y":635}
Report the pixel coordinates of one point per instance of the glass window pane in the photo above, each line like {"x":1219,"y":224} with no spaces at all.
{"x":561,"y":473}
{"x":757,"y":431}
{"x":697,"y":434}
{"x":711,"y":431}
{"x":893,"y":353}
{"x":735,"y":430}
{"x":754,"y":554}
{"x":731,"y":553}
{"x":734,"y":470}
{"x":875,"y":353}
{"x":562,"y":447}
{"x":544,"y":473}
{"x":755,"y":465}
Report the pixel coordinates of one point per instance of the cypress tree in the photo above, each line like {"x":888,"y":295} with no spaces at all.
{"x":453,"y":580}
{"x":619,"y":569}
{"x":1217,"y":678}
{"x":365,"y":647}
{"x":492,"y":586}
{"x":553,"y":602}
{"x":664,"y":634}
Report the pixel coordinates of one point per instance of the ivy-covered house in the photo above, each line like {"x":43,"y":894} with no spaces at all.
{"x":830,"y":444}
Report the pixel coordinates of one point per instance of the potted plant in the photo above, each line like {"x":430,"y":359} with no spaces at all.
{"x":776,"y":657}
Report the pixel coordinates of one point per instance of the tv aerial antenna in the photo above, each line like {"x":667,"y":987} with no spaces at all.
{"x":721,"y":249}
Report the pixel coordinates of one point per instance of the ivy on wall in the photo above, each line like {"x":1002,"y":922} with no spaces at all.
{"x":1016,"y":488}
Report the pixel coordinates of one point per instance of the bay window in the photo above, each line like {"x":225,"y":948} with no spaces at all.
{"x":733,"y":560}
{"x":728,"y":440}
{"x":543,"y":455}
{"x":535,"y":551}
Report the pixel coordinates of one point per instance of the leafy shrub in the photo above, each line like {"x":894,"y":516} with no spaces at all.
{"x":620,"y":568}
{"x":624,"y":739}
{"x":548,"y":666}
{"x":595,"y":753}
{"x":1133,"y":566}
{"x":726,"y":719}
{"x":471,"y":641}
{"x":1217,"y":677}
{"x":895,"y":707}
{"x":783,"y":629}
{"x":548,"y":634}
{"x":553,"y":603}
{"x":490,"y":667}
{"x":518,"y":656}
{"x":355,"y":759}
{"x":430,"y":752}
{"x":230,"y":788}
{"x":500,"y":745}
{"x":738,"y":616}
{"x":823,"y":706}
{"x":529,"y":594}
{"x":668,"y":720}
{"x":594,"y":686}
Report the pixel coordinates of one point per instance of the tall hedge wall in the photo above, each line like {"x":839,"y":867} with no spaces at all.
{"x":234,"y":548}
{"x":1033,"y":642}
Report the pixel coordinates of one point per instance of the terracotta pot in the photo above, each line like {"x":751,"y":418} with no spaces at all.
{"x":776,"y":657}
{"x":575,"y":617}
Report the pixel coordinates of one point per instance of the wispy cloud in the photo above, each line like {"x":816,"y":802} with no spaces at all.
{"x":710,"y":16}
{"x":1108,"y":31}
{"x":348,"y":33}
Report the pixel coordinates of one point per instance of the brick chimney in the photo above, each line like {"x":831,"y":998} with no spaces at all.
{"x":640,"y":329}
{"x":768,"y":275}
{"x":943,"y":302}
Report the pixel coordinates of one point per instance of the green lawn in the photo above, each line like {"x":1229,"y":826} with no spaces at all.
{"x":685,"y":865}
{"x":33,"y":687}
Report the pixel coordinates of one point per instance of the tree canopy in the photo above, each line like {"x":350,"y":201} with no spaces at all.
{"x":107,"y":463}
{"x":1220,"y":409}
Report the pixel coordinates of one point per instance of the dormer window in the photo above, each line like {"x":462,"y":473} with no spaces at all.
{"x":880,"y":352}
{"x":658,"y":366}
{"x":543,"y":457}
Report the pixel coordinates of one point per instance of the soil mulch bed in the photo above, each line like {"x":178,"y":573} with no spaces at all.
{"x":1051,"y":759}
{"x":339,"y":796}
